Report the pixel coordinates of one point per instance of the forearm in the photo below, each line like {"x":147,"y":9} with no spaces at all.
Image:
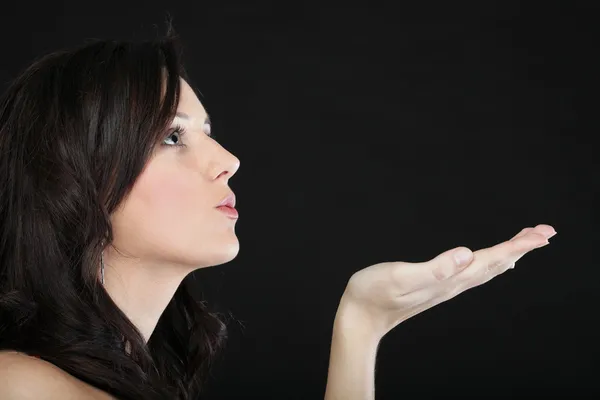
{"x":352,"y":359}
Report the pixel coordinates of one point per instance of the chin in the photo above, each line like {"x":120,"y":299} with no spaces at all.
{"x":224,"y":253}
{"x":229,"y":252}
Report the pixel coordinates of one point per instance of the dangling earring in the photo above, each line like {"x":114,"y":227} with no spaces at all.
{"x":102,"y":267}
{"x":102,"y":263}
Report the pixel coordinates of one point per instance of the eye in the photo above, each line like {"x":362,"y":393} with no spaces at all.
{"x":174,"y":137}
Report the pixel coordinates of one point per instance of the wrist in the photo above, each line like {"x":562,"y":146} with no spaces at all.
{"x":354,"y":348}
{"x":358,"y":322}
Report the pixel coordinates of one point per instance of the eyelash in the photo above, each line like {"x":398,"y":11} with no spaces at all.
{"x":180,"y":130}
{"x":177,"y":129}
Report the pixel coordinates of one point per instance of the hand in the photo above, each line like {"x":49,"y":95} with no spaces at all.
{"x":385,"y":294}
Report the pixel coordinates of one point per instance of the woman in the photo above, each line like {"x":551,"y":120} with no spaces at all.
{"x":111,"y":194}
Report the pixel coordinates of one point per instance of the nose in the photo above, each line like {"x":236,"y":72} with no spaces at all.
{"x":228,"y":167}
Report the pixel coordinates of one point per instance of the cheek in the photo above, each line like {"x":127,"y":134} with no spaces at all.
{"x":158,"y":213}
{"x":168,"y":195}
{"x":170,"y":214}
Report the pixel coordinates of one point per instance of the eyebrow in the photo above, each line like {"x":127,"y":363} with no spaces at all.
{"x":183,"y":115}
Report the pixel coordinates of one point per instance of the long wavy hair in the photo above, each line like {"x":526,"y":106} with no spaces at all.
{"x":77,"y":128}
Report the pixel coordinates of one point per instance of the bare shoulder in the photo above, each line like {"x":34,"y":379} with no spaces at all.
{"x":23,"y":377}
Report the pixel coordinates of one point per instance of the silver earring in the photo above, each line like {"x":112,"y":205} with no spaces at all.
{"x":102,"y":267}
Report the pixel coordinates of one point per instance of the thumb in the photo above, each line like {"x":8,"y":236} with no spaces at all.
{"x":449,"y":263}
{"x":411,"y":277}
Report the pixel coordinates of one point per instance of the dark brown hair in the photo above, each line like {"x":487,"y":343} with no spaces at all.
{"x":77,"y":128}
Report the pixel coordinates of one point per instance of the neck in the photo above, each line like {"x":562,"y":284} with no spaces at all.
{"x":142,"y":290}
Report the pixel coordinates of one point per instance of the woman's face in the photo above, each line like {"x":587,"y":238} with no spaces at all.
{"x":171,"y":215}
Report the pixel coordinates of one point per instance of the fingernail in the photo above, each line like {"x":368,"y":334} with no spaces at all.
{"x":462,"y":257}
{"x":551,"y":235}
{"x":543,"y":244}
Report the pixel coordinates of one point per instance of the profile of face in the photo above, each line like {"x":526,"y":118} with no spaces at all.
{"x":170,"y":217}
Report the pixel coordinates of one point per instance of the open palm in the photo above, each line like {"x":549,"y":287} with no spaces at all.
{"x":391,"y":292}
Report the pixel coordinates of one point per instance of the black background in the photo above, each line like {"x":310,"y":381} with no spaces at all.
{"x":381,"y":132}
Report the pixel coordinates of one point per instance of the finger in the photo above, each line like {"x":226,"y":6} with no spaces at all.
{"x":486,"y":263}
{"x":517,"y":246}
{"x":518,"y":235}
{"x":522,"y":233}
{"x":495,"y":260}
{"x":546,"y":230}
{"x":410,"y":277}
